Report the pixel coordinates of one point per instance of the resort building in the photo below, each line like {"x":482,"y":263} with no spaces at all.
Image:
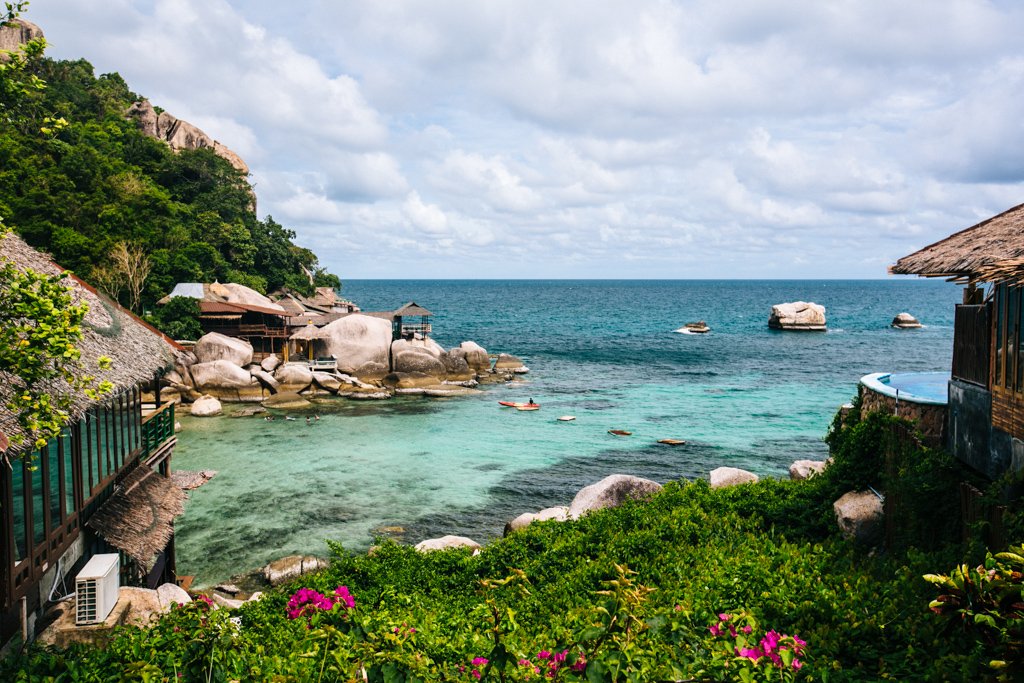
{"x":103,"y":485}
{"x":985,"y":423}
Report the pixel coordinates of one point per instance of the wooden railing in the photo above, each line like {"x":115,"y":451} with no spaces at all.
{"x":415,"y":328}
{"x":157,"y":433}
{"x":971,"y":342}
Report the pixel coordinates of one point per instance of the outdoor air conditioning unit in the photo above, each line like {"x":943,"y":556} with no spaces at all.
{"x":96,"y":588}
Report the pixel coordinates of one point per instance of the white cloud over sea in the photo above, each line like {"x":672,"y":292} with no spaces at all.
{"x":712,"y":138}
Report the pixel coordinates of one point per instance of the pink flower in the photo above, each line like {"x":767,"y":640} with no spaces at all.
{"x":543,"y":654}
{"x":715,"y":629}
{"x":524,"y":662}
{"x":751,"y":653}
{"x":797,"y":664}
{"x":479,"y":661}
{"x":343,"y":596}
{"x":747,"y":629}
{"x":476,"y":674}
{"x":723,"y":617}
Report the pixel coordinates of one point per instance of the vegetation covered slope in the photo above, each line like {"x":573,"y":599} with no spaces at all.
{"x":77,"y":179}
{"x":749,"y":583}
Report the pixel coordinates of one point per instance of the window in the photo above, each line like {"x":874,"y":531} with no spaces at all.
{"x":20,"y":520}
{"x":52,"y":452}
{"x":68,"y":458}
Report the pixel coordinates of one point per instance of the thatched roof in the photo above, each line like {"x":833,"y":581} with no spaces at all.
{"x":991,"y":251}
{"x":138,"y":517}
{"x":411,"y":309}
{"x":136,"y":349}
{"x":310,"y":332}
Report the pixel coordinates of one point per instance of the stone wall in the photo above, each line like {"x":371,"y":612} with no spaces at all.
{"x":930,"y":419}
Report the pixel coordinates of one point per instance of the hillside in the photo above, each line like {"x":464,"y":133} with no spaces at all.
{"x":78,"y":177}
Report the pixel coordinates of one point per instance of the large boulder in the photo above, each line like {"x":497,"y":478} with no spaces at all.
{"x":16,"y":33}
{"x":413,"y":359}
{"x":446,"y":542}
{"x":476,"y":356}
{"x":145,"y":605}
{"x":905,"y":321}
{"x":798,"y":315}
{"x":371,"y":372}
{"x":610,"y":492}
{"x":286,"y":400}
{"x":455,"y":366}
{"x":358,"y":339}
{"x":287,"y":568}
{"x":270,"y":363}
{"x":220,"y":374}
{"x":294,"y":376}
{"x":418,"y":343}
{"x":558,"y":514}
{"x":215,"y":346}
{"x":206,"y":406}
{"x":860,"y":516}
{"x":327,"y":381}
{"x":805,"y":469}
{"x":170,"y":594}
{"x":730,"y":476}
{"x":266,"y":379}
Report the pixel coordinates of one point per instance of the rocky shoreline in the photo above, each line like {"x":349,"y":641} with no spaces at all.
{"x":364,"y":364}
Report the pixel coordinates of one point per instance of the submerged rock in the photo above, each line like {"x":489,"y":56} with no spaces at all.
{"x":798,"y":315}
{"x":286,"y":400}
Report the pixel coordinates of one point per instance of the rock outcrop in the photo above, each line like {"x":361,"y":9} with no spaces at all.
{"x":356,"y":340}
{"x":416,"y":359}
{"x":15,"y":34}
{"x":214,"y":346}
{"x":730,"y":476}
{"x":905,"y":321}
{"x":171,"y":594}
{"x":221,"y":374}
{"x":179,"y":134}
{"x":446,"y":542}
{"x":476,"y":356}
{"x":612,"y":491}
{"x":860,"y":516}
{"x":287,"y":568}
{"x":798,"y":315}
{"x":805,"y":469}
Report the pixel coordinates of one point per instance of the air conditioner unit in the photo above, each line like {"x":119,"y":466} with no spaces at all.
{"x":96,"y":588}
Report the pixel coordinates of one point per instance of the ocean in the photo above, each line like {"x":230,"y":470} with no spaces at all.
{"x":412,"y":468}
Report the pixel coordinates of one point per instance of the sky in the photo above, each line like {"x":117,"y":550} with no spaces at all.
{"x":590,"y":139}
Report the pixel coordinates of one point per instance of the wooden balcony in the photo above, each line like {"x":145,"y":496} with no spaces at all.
{"x":158,"y":438}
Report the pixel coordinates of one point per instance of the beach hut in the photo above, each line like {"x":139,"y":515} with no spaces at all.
{"x":102,"y":485}
{"x":411,"y":320}
{"x":307,"y":337}
{"x":986,"y":389}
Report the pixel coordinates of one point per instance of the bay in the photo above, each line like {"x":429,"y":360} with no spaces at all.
{"x":604,"y":351}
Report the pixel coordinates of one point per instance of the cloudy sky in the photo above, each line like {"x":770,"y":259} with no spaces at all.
{"x":596,"y":139}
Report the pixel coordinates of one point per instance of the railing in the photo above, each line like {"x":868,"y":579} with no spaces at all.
{"x":415,"y":328}
{"x":249,"y":330}
{"x":971,"y":339}
{"x":157,"y":431}
{"x":323,"y":364}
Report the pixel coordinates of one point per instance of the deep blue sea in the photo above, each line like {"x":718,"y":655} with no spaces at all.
{"x":604,"y":351}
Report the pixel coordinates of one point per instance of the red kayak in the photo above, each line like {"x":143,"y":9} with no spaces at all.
{"x":513,"y":404}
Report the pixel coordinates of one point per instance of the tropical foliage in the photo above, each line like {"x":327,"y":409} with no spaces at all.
{"x":79,"y":180}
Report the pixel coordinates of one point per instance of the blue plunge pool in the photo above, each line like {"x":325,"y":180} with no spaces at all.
{"x":930,"y":388}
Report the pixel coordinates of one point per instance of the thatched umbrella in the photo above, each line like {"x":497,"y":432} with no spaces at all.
{"x":309,"y":334}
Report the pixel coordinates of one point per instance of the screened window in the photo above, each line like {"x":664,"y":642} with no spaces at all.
{"x":20,"y":520}
{"x":68,"y":458}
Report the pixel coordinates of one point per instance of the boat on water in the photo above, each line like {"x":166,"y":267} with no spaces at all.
{"x":619,"y":432}
{"x":567,"y":418}
{"x":672,"y":442}
{"x":519,"y":406}
{"x":699,"y":327}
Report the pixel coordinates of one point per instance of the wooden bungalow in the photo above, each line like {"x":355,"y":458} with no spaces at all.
{"x":986,"y":391}
{"x":103,"y":485}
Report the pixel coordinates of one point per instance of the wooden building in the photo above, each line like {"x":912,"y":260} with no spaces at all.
{"x":986,"y":391}
{"x":410,"y":320}
{"x":103,"y":485}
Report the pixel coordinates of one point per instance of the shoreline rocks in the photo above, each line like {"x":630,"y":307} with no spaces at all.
{"x":905,"y":321}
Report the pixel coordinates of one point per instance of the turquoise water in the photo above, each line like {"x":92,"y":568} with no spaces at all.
{"x":603,"y":351}
{"x":924,"y":387}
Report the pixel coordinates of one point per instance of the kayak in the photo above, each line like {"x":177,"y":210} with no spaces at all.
{"x":672,"y":442}
{"x":567,"y":418}
{"x":513,"y":404}
{"x":619,"y":432}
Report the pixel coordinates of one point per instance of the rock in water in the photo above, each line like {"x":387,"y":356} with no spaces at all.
{"x":610,"y":492}
{"x":279,"y":571}
{"x":905,"y":321}
{"x":731,"y":476}
{"x":476,"y":356}
{"x":215,"y":346}
{"x":286,"y":400}
{"x":207,"y":406}
{"x":798,"y":315}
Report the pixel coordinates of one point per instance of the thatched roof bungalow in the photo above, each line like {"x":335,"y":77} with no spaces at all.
{"x":79,"y":495}
{"x":986,"y":390}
